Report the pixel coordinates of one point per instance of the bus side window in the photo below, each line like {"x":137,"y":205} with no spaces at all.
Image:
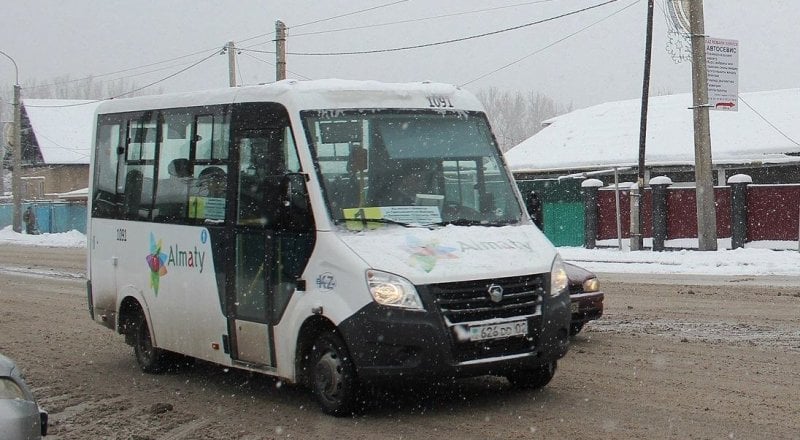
{"x":132,"y":196}
{"x":105,"y":202}
{"x":211,"y":137}
{"x":262,"y":169}
{"x":139,"y":160}
{"x":174,"y":167}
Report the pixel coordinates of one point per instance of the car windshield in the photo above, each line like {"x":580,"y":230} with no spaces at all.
{"x":410,"y":167}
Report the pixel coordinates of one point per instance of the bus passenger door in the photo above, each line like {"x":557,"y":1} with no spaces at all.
{"x":269,"y":255}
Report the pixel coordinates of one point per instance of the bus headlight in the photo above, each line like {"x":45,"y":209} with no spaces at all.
{"x":559,"y":282}
{"x":391,"y":290}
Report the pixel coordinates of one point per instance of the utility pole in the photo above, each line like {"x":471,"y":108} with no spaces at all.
{"x":16,"y":178}
{"x":3,"y":152}
{"x":706,"y":207}
{"x":16,"y":181}
{"x":280,"y":50}
{"x":231,"y":64}
{"x":637,"y":238}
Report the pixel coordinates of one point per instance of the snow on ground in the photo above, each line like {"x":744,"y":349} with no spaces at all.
{"x":758,"y":258}
{"x":66,"y":239}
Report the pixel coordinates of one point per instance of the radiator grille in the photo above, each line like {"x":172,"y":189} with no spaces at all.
{"x":468,"y":301}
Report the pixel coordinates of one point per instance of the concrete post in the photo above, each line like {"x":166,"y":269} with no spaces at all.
{"x":659,"y":186}
{"x":231,"y":64}
{"x":280,"y":50}
{"x":738,"y":184}
{"x":637,"y":231}
{"x":590,"y":188}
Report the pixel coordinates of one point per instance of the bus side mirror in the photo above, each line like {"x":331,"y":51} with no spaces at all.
{"x":534,"y":205}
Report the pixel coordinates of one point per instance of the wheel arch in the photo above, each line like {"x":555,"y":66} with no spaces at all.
{"x":130,"y":307}
{"x":309,"y":332}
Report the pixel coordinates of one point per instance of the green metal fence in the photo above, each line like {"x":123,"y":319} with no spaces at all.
{"x":562,"y":208}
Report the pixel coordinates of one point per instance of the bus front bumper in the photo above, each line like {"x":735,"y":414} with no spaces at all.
{"x":387,"y":343}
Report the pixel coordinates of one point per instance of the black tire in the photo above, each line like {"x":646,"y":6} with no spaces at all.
{"x":150,"y":359}
{"x":333,"y":376}
{"x":574,"y":329}
{"x":533,"y":378}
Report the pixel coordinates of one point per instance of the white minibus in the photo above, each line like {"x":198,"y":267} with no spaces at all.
{"x":330,"y":233}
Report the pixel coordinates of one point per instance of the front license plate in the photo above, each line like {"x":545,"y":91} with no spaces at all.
{"x":497,"y":331}
{"x":574,"y":307}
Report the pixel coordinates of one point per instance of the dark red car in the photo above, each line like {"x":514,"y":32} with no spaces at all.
{"x":586,"y":299}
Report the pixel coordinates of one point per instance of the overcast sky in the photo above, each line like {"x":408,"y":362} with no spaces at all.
{"x":602,"y":63}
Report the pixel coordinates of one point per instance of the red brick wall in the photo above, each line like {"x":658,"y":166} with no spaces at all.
{"x":772,"y":212}
{"x":681,"y":213}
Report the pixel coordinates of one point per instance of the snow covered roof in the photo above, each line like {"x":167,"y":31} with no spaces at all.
{"x":608,"y":134}
{"x":63,"y":128}
{"x":78,"y":194}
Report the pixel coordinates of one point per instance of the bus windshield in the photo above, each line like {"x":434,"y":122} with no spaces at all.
{"x":410,"y":167}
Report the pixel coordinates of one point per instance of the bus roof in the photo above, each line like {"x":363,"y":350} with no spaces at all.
{"x":312,"y":95}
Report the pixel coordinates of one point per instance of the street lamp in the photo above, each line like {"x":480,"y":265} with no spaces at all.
{"x":15,"y":177}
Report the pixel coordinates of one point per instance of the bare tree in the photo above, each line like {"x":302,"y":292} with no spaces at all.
{"x":516,"y":116}
{"x":63,"y":87}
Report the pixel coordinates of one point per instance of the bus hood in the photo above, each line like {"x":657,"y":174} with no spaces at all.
{"x":451,"y":253}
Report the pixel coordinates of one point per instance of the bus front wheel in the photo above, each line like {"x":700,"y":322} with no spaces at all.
{"x":150,"y":359}
{"x":333,"y":375}
{"x":533,"y":378}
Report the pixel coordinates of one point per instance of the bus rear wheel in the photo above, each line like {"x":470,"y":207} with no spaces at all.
{"x":150,"y":359}
{"x":333,"y":375}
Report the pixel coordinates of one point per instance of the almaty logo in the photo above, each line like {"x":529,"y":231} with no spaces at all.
{"x":156,"y":260}
{"x":425,"y":254}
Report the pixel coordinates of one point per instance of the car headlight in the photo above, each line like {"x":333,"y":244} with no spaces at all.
{"x":391,"y":290}
{"x":559,"y":282}
{"x":591,"y":285}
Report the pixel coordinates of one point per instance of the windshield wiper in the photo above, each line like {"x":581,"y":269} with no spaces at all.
{"x":467,"y":222}
{"x":380,"y":220}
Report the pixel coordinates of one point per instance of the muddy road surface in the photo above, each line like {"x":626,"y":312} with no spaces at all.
{"x":666,"y":361}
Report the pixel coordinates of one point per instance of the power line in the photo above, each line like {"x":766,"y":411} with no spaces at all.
{"x":238,"y":67}
{"x":273,"y":65}
{"x":415,"y":20}
{"x":549,"y":45}
{"x":454,"y":40}
{"x":92,"y":101}
{"x":123,"y":70}
{"x":74,"y":150}
{"x":309,"y":23}
{"x":325,"y":19}
{"x":216,"y":52}
{"x":201,"y":51}
{"x":768,"y":122}
{"x":56,"y":84}
{"x":349,"y":13}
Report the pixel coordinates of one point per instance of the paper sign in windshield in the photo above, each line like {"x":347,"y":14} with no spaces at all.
{"x":412,"y":215}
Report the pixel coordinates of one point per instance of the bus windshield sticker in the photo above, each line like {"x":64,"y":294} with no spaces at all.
{"x":211,"y":208}
{"x":410,"y":215}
